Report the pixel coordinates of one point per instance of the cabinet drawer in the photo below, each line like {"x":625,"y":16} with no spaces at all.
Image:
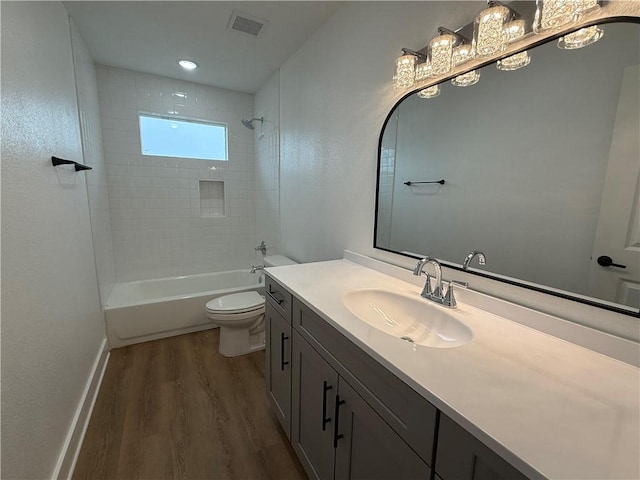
{"x":278,"y":297}
{"x":409,"y":414}
{"x":462,"y":456}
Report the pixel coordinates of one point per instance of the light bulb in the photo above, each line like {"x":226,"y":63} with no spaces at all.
{"x":187,"y":64}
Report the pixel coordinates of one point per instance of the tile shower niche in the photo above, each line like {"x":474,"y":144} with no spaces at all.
{"x":211,"y":198}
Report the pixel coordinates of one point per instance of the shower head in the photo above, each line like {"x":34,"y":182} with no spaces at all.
{"x":249,"y":123}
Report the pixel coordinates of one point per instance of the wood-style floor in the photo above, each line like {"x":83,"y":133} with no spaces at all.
{"x":175,"y":408}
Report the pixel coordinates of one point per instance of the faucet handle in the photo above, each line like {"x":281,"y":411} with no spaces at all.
{"x":427,"y":290}
{"x":448,"y":297}
{"x":262,"y":248}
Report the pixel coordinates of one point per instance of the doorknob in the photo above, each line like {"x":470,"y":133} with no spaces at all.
{"x":605,"y":261}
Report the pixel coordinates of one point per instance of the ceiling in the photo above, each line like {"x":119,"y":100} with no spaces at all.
{"x":150,"y":37}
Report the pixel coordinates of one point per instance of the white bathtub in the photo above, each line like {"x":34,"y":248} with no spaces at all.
{"x":151,"y":309}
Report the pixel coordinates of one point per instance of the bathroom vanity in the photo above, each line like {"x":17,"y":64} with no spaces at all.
{"x":509,"y":403}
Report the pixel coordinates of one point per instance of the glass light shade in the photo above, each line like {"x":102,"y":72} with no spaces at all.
{"x":441,"y":48}
{"x":466,"y":79}
{"x":423,"y":70}
{"x":581,"y":38}
{"x":405,"y":72}
{"x":513,"y":31}
{"x":514,"y":62}
{"x":459,"y":56}
{"x":555,"y":13}
{"x":429,"y":92}
{"x":488,"y":35}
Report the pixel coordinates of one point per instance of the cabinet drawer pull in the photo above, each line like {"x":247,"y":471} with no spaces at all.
{"x":279,"y":301}
{"x":283,"y":337}
{"x":336,"y":435}
{"x":325,"y":388}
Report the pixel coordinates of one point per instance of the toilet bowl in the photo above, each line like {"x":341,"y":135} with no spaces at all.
{"x":240,"y":317}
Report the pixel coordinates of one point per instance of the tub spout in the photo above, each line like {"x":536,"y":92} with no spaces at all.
{"x":255,"y":268}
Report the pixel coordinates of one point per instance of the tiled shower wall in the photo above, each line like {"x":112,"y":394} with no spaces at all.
{"x":267,"y":138}
{"x":157,"y":223}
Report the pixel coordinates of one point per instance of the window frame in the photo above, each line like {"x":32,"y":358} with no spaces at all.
{"x":184,"y":119}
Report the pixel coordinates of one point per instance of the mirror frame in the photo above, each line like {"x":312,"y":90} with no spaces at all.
{"x":610,"y":13}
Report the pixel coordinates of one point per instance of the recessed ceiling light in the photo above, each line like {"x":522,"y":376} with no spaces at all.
{"x":187,"y":64}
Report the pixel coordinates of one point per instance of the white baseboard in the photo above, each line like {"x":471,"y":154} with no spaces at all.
{"x":71,"y":449}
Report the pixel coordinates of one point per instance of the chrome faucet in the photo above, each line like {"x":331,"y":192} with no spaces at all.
{"x":255,"y":268}
{"x":482,"y":260}
{"x":262,"y":248}
{"x":437,"y":293}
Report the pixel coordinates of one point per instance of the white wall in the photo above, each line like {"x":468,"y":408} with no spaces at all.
{"x":267,"y":148}
{"x":52,"y":327}
{"x":334,"y":96}
{"x":91,"y":132}
{"x":158,"y":230}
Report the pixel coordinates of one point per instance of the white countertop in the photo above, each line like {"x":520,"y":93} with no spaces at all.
{"x":551,"y":408}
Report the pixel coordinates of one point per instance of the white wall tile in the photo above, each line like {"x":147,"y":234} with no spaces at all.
{"x":267,"y":164}
{"x":155,"y":207}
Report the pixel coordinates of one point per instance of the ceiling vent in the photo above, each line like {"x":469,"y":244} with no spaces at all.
{"x":242,"y":22}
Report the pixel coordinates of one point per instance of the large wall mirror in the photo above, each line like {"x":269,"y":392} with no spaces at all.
{"x":541,"y":168}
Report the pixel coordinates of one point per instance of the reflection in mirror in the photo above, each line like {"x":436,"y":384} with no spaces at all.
{"x":541,"y":168}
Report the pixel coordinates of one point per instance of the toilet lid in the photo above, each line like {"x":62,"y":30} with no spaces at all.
{"x":236,"y":303}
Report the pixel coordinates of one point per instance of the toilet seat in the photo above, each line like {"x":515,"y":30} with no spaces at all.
{"x":235,"y":305}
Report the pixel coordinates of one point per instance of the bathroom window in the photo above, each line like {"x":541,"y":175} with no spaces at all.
{"x":183,"y":138}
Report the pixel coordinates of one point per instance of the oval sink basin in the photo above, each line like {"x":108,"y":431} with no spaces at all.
{"x":407,"y":317}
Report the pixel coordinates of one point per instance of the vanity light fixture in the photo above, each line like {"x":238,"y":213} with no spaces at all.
{"x":488,"y":33}
{"x":514,"y":30}
{"x":188,"y":64}
{"x":493,"y":29}
{"x":461,"y":54}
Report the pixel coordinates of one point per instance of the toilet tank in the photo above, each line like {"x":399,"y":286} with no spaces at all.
{"x":277,"y":261}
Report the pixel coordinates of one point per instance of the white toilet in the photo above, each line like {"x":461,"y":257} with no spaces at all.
{"x":240,"y":316}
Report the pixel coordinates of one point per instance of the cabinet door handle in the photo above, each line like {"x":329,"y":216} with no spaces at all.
{"x":283,"y":337}
{"x":325,"y":388}
{"x":336,"y":435}
{"x":275,"y":299}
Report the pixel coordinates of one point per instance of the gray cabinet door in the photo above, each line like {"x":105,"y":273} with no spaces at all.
{"x":278,"y":367}
{"x":314,"y":385}
{"x":367,"y":447}
{"x":461,"y":456}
